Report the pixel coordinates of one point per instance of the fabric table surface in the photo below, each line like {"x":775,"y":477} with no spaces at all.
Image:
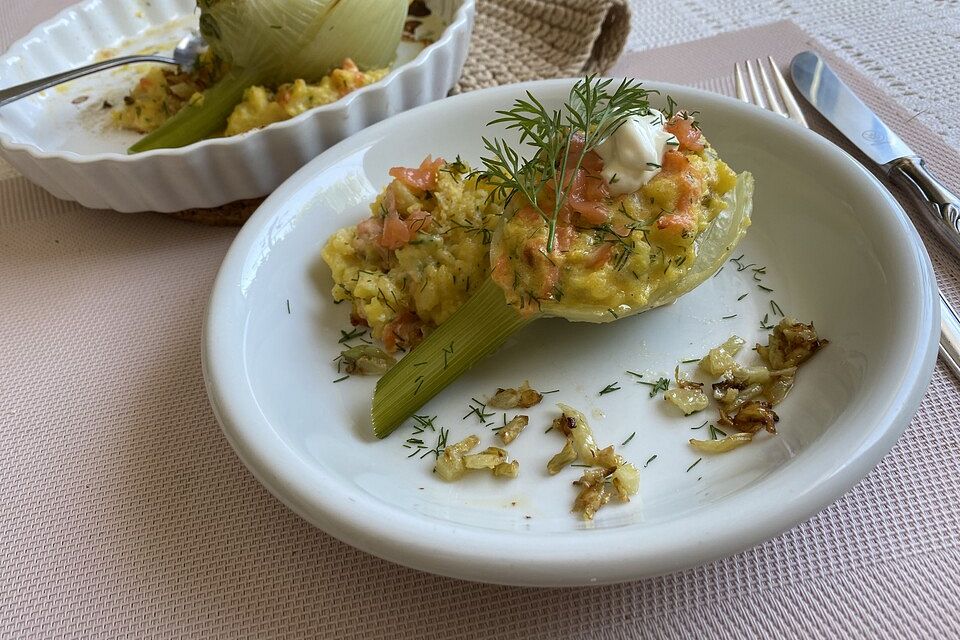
{"x":126,"y":514}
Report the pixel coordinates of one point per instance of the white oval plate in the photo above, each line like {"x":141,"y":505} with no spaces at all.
{"x":838,"y":250}
{"x":71,"y":149}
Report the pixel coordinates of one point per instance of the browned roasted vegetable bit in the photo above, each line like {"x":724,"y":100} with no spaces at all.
{"x":567,"y":455}
{"x":608,"y":474}
{"x":456,"y":460}
{"x":753,"y":416}
{"x":523,"y":398}
{"x":366,"y":360}
{"x":593,"y":492}
{"x":688,"y":396}
{"x":790,"y":344}
{"x":723,"y":445}
{"x":512,"y":429}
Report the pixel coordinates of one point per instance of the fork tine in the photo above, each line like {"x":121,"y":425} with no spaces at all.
{"x":754,"y":86}
{"x":787,"y":95}
{"x":768,"y":89}
{"x":741,"y":87}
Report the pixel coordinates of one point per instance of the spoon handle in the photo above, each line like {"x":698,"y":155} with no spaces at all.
{"x":28,"y":88}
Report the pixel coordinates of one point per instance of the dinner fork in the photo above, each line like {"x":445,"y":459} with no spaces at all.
{"x":784,"y":103}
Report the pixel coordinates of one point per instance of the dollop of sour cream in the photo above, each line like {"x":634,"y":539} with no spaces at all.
{"x":634,"y":153}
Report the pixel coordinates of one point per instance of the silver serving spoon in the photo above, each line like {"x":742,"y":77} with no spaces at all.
{"x":184,"y":54}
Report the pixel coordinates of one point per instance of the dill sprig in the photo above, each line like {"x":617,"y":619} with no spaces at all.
{"x":714,"y":431}
{"x":661,"y":384}
{"x":544,"y":179}
{"x":480,"y":411}
{"x":610,"y":388}
{"x":438,"y":448}
{"x":346,"y":336}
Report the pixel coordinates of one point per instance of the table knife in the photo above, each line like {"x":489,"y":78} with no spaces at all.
{"x":861,"y":126}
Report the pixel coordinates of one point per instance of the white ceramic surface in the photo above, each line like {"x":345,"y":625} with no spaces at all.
{"x":838,"y":251}
{"x":72,"y":151}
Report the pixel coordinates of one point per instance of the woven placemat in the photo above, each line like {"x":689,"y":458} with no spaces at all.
{"x":124,"y":513}
{"x":513,"y":41}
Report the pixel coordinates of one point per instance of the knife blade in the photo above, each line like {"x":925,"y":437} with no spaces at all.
{"x":861,"y":126}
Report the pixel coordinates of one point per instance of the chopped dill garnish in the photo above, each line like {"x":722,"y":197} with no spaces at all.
{"x":441,"y":444}
{"x":718,"y":272}
{"x":419,"y":381}
{"x":350,"y":335}
{"x":447,"y":352}
{"x":480,"y":411}
{"x":689,"y":360}
{"x":767,"y":289}
{"x":634,"y":373}
{"x":743,"y":296}
{"x":714,"y":431}
{"x":701,"y":426}
{"x":288,"y":306}
{"x":549,"y":429}
{"x":423,"y":423}
{"x":543,"y":393}
{"x":340,"y":379}
{"x":671,"y":106}
{"x":649,"y":460}
{"x":776,"y":308}
{"x":662,"y":384}
{"x":613,"y":313}
{"x":624,"y":443}
{"x":383,"y":296}
{"x":694,"y":464}
{"x":765,"y":324}
{"x":610,"y":388}
{"x":728,"y":317}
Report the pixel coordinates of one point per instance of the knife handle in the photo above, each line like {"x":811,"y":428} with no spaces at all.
{"x":949,"y":336}
{"x":940,"y":204}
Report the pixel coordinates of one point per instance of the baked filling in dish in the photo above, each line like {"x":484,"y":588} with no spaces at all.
{"x":269,"y":61}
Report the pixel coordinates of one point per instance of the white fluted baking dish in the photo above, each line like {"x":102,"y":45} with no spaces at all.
{"x":63,"y":141}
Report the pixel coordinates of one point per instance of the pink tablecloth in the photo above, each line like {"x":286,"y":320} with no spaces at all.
{"x":126,"y":514}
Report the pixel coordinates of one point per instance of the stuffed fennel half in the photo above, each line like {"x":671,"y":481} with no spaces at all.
{"x":276,"y":41}
{"x":615,"y":209}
